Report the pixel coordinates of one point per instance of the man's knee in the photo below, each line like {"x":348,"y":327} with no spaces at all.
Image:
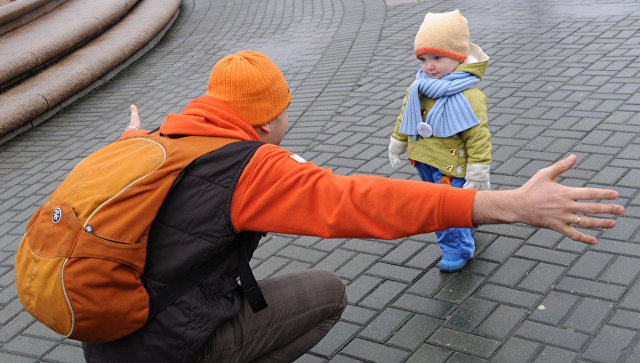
{"x":335,"y":287}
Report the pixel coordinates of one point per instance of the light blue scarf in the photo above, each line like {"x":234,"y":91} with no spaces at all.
{"x":450,"y":114}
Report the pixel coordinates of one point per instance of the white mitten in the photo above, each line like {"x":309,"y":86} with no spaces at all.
{"x":477,"y":177}
{"x":396,"y":148}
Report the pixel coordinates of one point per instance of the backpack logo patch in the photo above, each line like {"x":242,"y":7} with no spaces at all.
{"x":56,"y":215}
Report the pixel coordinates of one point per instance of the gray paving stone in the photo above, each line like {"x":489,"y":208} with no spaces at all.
{"x":331,"y":343}
{"x":429,"y":353}
{"x":516,"y":231}
{"x":515,"y":350}
{"x":609,"y":175}
{"x":464,"y":342}
{"x":544,"y":238}
{"x":590,"y":288}
{"x":469,"y":314}
{"x":501,"y":322}
{"x":625,"y":229}
{"x":328,"y":244}
{"x":500,"y":249}
{"x":625,"y":318}
{"x":617,"y":247}
{"x":356,"y":266}
{"x":403,"y":252}
{"x":270,"y":246}
{"x":361,"y":287}
{"x":588,"y":315}
{"x":366,"y":350}
{"x":552,"y":335}
{"x":344,"y":359}
{"x":383,"y":295}
{"x":554,"y":307}
{"x":415,"y":331}
{"x":9,"y":357}
{"x":508,"y":295}
{"x":269,"y":267}
{"x":394,"y":272}
{"x":546,"y":255}
{"x":381,"y":328}
{"x":33,"y":347}
{"x":334,"y":260}
{"x":609,"y":344}
{"x":590,"y":265}
{"x":478,"y":267}
{"x":8,"y":294}
{"x":431,"y":282}
{"x":426,"y":306}
{"x":426,"y":257}
{"x":300,"y":253}
{"x":9,"y":311}
{"x":512,"y":271}
{"x":8,"y":275}
{"x":555,"y":355}
{"x":15,"y":326}
{"x":39,"y":330}
{"x":309,"y":358}
{"x":542,"y":278}
{"x":632,"y":297}
{"x":459,"y":288}
{"x":458,"y":357}
{"x":292,"y":266}
{"x":357,"y":315}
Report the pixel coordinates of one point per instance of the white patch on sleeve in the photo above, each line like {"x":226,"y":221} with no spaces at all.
{"x":297,"y":158}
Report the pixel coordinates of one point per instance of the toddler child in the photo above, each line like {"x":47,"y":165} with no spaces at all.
{"x":443,"y":121}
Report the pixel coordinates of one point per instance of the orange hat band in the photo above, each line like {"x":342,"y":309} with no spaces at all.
{"x":445,"y":53}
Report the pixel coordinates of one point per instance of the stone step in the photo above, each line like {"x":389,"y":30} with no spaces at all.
{"x":34,"y":45}
{"x":72,"y":49}
{"x":18,"y":13}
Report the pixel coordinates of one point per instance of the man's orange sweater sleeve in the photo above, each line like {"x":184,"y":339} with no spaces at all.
{"x":277,"y":193}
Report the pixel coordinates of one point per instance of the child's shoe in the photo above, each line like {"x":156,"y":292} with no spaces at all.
{"x":452,"y":265}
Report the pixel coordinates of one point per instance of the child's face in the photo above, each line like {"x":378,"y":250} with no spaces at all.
{"x":437,"y":66}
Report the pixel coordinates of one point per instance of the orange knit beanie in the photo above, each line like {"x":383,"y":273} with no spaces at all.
{"x":251,"y":85}
{"x":445,"y":34}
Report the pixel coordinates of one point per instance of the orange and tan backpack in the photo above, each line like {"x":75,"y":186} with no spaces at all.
{"x":79,"y":265}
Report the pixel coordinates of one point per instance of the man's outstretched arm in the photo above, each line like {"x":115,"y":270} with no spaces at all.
{"x":541,"y":201}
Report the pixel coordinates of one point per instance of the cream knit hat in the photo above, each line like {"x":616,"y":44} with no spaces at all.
{"x":445,"y":34}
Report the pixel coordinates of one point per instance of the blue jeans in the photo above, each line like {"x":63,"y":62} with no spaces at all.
{"x":454,"y":242}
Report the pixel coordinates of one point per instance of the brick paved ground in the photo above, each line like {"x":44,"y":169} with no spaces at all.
{"x":563,"y":78}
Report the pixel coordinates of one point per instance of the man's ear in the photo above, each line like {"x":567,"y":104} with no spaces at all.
{"x":266,"y":128}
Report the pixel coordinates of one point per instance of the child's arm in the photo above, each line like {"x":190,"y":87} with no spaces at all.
{"x":478,"y":144}
{"x":398,"y":141}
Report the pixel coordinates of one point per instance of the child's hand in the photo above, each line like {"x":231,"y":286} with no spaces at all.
{"x":477,"y":177}
{"x":396,"y":148}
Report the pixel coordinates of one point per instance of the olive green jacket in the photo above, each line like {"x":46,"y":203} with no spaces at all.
{"x":451,"y":154}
